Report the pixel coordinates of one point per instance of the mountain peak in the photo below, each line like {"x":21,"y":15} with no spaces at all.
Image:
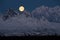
{"x":13,"y":13}
{"x":9,"y":13}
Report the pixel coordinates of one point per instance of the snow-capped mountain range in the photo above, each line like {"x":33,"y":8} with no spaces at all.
{"x":42,"y":20}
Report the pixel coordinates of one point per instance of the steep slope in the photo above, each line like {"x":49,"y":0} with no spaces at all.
{"x":36,"y":23}
{"x":51,"y":14}
{"x":13,"y":13}
{"x":10,"y":13}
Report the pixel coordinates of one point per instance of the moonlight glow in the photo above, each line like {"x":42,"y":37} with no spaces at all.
{"x":21,"y":8}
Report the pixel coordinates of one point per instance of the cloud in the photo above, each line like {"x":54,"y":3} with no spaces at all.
{"x":23,"y":24}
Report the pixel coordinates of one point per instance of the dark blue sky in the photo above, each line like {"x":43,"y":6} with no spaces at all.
{"x":28,"y":4}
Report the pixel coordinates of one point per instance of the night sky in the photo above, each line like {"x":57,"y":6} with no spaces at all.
{"x":41,"y":17}
{"x":28,"y":4}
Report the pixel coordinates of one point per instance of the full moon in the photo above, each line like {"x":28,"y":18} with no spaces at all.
{"x":21,"y":8}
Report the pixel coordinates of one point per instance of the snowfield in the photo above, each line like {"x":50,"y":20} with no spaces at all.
{"x":41,"y":21}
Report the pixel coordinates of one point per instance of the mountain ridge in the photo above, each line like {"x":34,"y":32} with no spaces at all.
{"x":51,"y":14}
{"x":36,"y":22}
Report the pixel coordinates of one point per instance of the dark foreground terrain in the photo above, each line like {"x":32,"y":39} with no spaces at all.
{"x":36,"y":37}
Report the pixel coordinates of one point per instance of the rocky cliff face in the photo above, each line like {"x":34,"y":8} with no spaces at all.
{"x":51,"y":14}
{"x":13,"y":13}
